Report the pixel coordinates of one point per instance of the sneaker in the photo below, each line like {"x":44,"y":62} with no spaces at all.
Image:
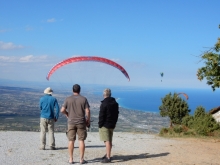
{"x":104,"y":156}
{"x":52,"y":148}
{"x":106,"y":160}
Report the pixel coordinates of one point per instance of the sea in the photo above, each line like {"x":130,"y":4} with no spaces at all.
{"x":149,"y":100}
{"x":144,"y":99}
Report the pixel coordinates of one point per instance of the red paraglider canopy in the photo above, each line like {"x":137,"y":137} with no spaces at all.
{"x":87,"y":58}
{"x":185,"y":95}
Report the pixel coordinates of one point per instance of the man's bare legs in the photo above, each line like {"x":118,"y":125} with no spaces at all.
{"x":71,"y":148}
{"x":108,"y":145}
{"x":81,"y":150}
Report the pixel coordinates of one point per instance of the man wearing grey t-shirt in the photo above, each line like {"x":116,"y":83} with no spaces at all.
{"x":76,"y":109}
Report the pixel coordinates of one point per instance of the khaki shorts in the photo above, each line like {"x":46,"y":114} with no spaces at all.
{"x":80,"y":129}
{"x":105,"y":134}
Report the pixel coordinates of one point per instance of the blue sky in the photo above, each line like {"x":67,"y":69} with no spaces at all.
{"x":145,"y":37}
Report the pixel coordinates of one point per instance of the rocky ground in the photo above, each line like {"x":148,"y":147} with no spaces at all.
{"x":22,"y":148}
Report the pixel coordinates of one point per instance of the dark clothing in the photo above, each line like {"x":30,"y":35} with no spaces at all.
{"x":108,"y":114}
{"x":76,"y":105}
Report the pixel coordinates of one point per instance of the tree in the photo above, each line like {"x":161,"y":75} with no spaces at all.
{"x":174,"y":107}
{"x":204,"y":123}
{"x":188,"y":121}
{"x":199,"y":112}
{"x":201,"y":122}
{"x":211,"y":70}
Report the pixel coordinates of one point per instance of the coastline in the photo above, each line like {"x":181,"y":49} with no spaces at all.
{"x":26,"y":114}
{"x":129,"y":121}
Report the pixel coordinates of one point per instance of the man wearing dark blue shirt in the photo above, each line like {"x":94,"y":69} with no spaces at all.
{"x":48,"y":117}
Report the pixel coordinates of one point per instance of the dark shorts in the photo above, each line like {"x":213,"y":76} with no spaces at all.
{"x":79,"y":129}
{"x":106,"y":134}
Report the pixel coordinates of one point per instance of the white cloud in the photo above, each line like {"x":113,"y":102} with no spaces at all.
{"x":42,"y":57}
{"x":7,"y":59}
{"x":26,"y":59}
{"x":51,"y":20}
{"x":9,"y":46}
{"x":115,"y":59}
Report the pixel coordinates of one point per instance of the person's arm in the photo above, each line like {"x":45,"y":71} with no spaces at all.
{"x":117,"y":113}
{"x":87,"y":116}
{"x":63,"y":111}
{"x":57,"y":110}
{"x":40,"y":104}
{"x":101,"y":116}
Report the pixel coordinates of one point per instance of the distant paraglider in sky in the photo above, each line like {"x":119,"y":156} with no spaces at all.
{"x":161,"y":74}
{"x":184,"y":94}
{"x":87,"y":58}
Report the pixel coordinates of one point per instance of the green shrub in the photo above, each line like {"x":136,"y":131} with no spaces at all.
{"x":189,"y":133}
{"x":174,"y":107}
{"x":178,"y":129}
{"x":163,"y":131}
{"x":188,"y":121}
{"x":201,"y":123}
{"x":170,"y":131}
{"x":204,"y":125}
{"x":199,"y":112}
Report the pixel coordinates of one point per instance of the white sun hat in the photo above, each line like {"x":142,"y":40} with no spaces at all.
{"x":48,"y":91}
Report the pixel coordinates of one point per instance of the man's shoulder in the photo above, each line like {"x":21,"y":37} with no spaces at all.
{"x":42,"y":97}
{"x":75,"y":97}
{"x":83,"y":97}
{"x":46,"y":97}
{"x":69,"y":97}
{"x":53,"y":97}
{"x":109,"y":100}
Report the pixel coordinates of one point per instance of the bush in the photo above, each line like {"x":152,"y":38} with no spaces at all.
{"x":188,"y":121}
{"x":201,"y":123}
{"x":163,"y":131}
{"x":199,"y":112}
{"x":189,"y":133}
{"x":205,"y":125}
{"x":178,"y":129}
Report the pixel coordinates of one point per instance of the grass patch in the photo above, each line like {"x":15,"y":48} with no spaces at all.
{"x":183,"y":131}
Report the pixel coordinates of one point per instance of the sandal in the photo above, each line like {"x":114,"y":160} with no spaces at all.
{"x":83,"y":162}
{"x":71,"y":162}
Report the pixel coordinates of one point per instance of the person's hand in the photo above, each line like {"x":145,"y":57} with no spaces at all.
{"x":88,"y":123}
{"x":66,"y":114}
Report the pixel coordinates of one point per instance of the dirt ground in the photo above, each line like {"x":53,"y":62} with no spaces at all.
{"x":128,"y":149}
{"x":182,"y":151}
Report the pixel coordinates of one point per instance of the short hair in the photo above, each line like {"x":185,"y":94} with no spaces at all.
{"x":107,"y":92}
{"x":76,"y":88}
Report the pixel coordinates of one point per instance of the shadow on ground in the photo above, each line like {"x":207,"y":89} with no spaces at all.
{"x":123,"y":158}
{"x":61,"y":148}
{"x":95,"y":146}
